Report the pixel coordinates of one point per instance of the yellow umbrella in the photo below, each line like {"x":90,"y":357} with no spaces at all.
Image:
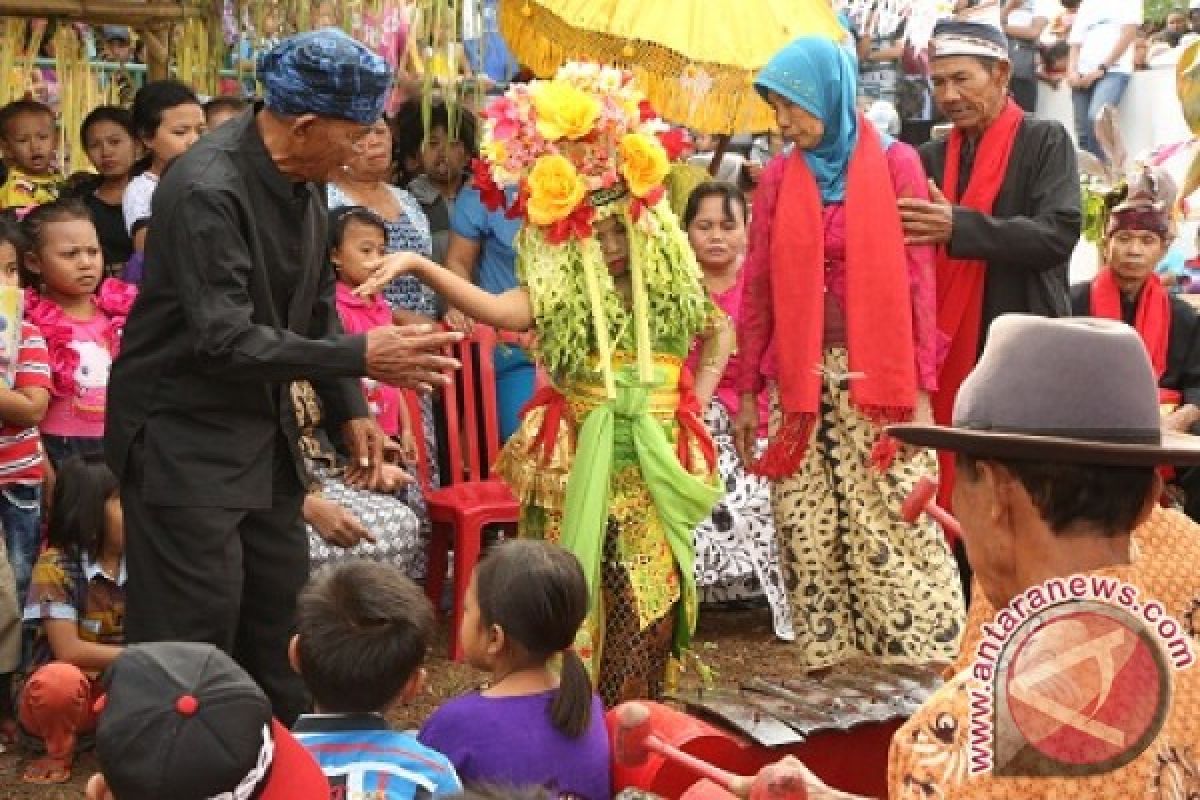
{"x":694,"y":59}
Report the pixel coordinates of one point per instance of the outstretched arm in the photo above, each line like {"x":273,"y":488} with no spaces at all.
{"x":510,"y":311}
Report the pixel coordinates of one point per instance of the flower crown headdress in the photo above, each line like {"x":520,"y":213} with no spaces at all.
{"x":572,"y":146}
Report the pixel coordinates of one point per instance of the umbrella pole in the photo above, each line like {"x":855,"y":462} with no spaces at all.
{"x":719,"y":154}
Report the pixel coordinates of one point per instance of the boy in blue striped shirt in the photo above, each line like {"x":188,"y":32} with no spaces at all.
{"x":363,"y":630}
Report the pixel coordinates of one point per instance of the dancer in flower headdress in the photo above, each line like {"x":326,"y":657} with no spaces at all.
{"x":613,"y":462}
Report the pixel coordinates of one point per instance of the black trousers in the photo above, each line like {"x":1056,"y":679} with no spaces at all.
{"x":225,"y":576}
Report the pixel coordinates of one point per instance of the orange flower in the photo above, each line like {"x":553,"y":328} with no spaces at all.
{"x":643,"y":163}
{"x":555,"y":190}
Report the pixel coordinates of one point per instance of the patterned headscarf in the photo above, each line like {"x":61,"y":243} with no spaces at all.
{"x":327,"y":73}
{"x":822,"y":78}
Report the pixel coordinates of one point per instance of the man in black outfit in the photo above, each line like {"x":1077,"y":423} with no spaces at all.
{"x":238,"y":302}
{"x":1005,"y":208}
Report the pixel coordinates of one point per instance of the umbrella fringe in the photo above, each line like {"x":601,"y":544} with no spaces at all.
{"x":710,"y":98}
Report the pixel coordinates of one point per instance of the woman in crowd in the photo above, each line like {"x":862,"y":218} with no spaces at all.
{"x":364,"y":182}
{"x":737,"y":555}
{"x":108,"y":137}
{"x":838,"y":316}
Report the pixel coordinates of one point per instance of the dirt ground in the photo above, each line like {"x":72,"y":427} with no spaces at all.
{"x":735,"y":644}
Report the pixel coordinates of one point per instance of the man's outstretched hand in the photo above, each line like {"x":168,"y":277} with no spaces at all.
{"x":410,"y":356}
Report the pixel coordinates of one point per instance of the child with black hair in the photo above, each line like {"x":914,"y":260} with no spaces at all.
{"x":22,"y":405}
{"x":168,"y":119}
{"x":77,"y":601}
{"x":81,"y":314}
{"x":112,"y":147}
{"x":27,"y":139}
{"x":530,"y":726}
{"x":362,"y":632}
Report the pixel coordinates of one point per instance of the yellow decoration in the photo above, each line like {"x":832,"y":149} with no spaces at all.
{"x":564,"y":111}
{"x":728,"y":40}
{"x":643,"y":163}
{"x":555,"y":190}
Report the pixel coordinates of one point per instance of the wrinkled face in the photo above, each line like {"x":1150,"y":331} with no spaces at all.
{"x":374,"y":158}
{"x":441,"y":159}
{"x":110,"y":148}
{"x":796,"y":125}
{"x":9,"y":272}
{"x":29,"y":142}
{"x":1133,"y":255}
{"x":717,"y":238}
{"x":970,"y":94}
{"x":181,"y":126}
{"x":362,"y":245}
{"x":325,"y":149}
{"x":610,"y":232}
{"x":68,"y":258}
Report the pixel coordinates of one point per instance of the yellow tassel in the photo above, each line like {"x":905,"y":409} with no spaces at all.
{"x":599,"y":317}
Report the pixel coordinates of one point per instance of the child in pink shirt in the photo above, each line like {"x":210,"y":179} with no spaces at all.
{"x":81,"y":316}
{"x":358,"y":238}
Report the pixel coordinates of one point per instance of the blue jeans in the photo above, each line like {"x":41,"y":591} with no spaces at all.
{"x":21,"y":516}
{"x":1107,"y":91}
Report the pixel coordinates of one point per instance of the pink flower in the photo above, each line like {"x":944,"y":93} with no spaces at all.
{"x":116,"y":297}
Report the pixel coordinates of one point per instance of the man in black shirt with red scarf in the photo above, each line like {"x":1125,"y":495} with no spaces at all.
{"x":1137,"y":236}
{"x":1005,"y":206}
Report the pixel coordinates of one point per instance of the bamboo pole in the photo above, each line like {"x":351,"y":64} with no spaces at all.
{"x":119,"y":12}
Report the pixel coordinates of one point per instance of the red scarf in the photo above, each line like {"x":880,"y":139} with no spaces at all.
{"x":1152,"y":319}
{"x":960,"y":282}
{"x":878,"y":306}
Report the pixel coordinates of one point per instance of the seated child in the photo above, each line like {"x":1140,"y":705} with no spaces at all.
{"x":362,"y":633}
{"x":530,"y":726}
{"x":81,"y":314}
{"x":183,"y":721}
{"x":77,"y":600}
{"x":28,"y":141}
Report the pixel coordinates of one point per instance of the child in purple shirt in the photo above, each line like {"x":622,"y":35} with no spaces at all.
{"x":529,"y":727}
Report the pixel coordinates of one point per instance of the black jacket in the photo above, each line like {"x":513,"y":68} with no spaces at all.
{"x":237,"y":301}
{"x":1028,"y":239}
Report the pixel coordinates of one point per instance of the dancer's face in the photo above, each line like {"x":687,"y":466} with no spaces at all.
{"x":614,"y":244}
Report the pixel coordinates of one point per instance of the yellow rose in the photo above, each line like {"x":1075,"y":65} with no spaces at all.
{"x":555,"y":190}
{"x":564,"y":111}
{"x":643,"y":163}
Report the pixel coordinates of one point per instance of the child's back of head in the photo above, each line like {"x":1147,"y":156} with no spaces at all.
{"x":536,"y":593}
{"x":362,"y":633}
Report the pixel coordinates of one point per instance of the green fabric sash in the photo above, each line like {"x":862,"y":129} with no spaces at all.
{"x":682,"y":499}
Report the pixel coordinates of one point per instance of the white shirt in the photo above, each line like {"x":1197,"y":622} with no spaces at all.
{"x":135,"y":203}
{"x":1097,"y":29}
{"x":1034,"y":9}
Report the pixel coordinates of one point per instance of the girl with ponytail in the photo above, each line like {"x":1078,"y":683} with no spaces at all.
{"x":532,"y":724}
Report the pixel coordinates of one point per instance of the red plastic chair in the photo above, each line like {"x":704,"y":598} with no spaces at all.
{"x":473,"y":500}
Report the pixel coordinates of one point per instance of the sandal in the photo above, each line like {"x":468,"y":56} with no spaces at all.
{"x":47,"y":770}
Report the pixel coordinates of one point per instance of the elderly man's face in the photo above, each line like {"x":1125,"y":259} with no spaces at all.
{"x":970,"y":94}
{"x":328,"y":145}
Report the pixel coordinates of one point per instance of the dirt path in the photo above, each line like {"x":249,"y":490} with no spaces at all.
{"x":734,"y":643}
